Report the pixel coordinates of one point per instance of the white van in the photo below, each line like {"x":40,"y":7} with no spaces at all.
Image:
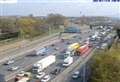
{"x":68,"y":61}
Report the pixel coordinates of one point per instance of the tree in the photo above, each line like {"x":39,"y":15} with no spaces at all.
{"x":55,"y":20}
{"x":106,"y":68}
{"x":8,"y":25}
{"x":26,"y":26}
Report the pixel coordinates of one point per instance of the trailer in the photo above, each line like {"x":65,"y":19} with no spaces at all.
{"x":83,"y":49}
{"x":43,"y":63}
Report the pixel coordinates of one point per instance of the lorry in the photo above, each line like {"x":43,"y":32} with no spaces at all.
{"x":23,"y":77}
{"x":40,"y":51}
{"x":43,"y":63}
{"x":83,"y":49}
{"x":71,"y":49}
{"x":68,"y":61}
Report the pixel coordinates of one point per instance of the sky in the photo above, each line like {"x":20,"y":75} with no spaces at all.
{"x":74,"y":8}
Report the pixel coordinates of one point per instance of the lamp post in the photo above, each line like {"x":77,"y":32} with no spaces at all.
{"x":49,"y":30}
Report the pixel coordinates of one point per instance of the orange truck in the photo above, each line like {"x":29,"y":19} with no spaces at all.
{"x":83,"y":49}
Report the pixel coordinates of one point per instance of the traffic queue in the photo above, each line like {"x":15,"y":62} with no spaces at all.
{"x":73,"y":49}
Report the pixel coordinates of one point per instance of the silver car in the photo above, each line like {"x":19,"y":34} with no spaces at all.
{"x":46,"y":78}
{"x":14,"y":68}
{"x":9,"y":62}
{"x":39,"y":75}
{"x":75,"y":75}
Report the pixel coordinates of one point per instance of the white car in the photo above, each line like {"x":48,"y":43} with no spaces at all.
{"x":39,"y":75}
{"x":56,"y":48}
{"x":21,"y":74}
{"x":75,"y":75}
{"x":46,"y":78}
{"x":104,"y":45}
{"x":9,"y":62}
{"x":14,"y":68}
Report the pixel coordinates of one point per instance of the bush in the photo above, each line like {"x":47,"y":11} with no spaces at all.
{"x":9,"y":35}
{"x":106,"y":67}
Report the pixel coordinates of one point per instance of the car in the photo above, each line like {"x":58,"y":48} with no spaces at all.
{"x":92,"y":38}
{"x":9,"y":62}
{"x":62,"y":40}
{"x":56,"y":48}
{"x":46,"y":78}
{"x":63,"y":51}
{"x":52,"y":45}
{"x":108,"y":30}
{"x":76,"y":75}
{"x":21,"y":74}
{"x":75,"y":36}
{"x":14,"y":68}
{"x":39,"y":75}
{"x":43,"y":54}
{"x":68,"y":43}
{"x":104,"y":46}
{"x":98,"y":46}
{"x":56,"y":71}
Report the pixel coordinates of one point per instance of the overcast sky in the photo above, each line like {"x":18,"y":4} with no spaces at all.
{"x":64,"y":7}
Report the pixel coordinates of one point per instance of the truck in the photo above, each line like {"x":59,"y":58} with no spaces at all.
{"x":40,"y":51}
{"x":83,"y":49}
{"x":23,"y":77}
{"x":71,"y":49}
{"x":43,"y":63}
{"x":68,"y":61}
{"x":73,"y":46}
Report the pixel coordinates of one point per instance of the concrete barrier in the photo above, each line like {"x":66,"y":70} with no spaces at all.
{"x":81,"y":61}
{"x":23,"y":43}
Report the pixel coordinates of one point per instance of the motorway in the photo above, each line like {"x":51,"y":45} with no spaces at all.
{"x":24,"y":49}
{"x":78,"y":68}
{"x":28,"y":60}
{"x":67,"y":77}
{"x":31,"y":45}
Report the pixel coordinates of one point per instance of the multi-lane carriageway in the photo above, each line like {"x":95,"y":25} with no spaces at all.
{"x":24,"y":64}
{"x":27,"y":61}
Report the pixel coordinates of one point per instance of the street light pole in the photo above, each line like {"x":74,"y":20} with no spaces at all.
{"x":84,"y":73}
{"x":49,"y":30}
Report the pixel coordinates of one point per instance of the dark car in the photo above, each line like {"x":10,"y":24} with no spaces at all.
{"x":52,"y":45}
{"x":9,"y":62}
{"x":56,"y":71}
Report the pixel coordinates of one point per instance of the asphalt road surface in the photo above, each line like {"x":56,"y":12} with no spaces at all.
{"x":69,"y":78}
{"x":28,"y":60}
{"x":22,"y":50}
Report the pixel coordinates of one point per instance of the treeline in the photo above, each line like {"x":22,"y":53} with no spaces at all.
{"x":30,"y":26}
{"x":106,"y":66}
